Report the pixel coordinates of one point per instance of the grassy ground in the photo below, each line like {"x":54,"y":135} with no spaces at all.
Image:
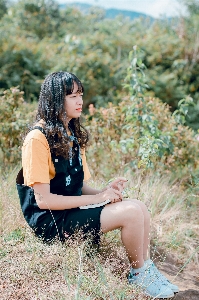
{"x":33,"y":270}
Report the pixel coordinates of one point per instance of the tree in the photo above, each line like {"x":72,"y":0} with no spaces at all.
{"x":192,"y":6}
{"x":3,"y":8}
{"x":39,"y":16}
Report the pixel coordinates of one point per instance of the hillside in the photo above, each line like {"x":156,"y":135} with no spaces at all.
{"x":109,"y":13}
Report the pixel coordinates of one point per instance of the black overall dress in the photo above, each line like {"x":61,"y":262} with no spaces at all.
{"x":50,"y":224}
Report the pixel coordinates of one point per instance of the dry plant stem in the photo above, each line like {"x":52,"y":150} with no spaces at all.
{"x":130,"y":217}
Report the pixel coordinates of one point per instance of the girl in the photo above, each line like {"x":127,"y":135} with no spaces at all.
{"x":53,"y":190}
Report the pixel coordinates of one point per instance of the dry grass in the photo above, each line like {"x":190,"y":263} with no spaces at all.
{"x":33,"y":270}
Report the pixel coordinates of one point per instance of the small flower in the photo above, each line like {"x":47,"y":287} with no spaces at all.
{"x":14,"y":90}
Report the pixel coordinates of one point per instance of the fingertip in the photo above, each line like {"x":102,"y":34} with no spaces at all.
{"x":124,"y":179}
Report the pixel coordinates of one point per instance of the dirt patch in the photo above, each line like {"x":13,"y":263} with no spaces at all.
{"x":187,"y":280}
{"x":187,"y":295}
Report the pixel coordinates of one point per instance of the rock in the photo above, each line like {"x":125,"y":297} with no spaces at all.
{"x":187,"y":295}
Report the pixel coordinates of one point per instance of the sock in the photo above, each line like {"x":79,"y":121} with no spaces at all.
{"x":148,"y":262}
{"x":137,"y":271}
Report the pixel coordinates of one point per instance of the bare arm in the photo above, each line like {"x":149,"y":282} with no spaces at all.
{"x":117,"y":184}
{"x":87,"y":190}
{"x":47,"y":200}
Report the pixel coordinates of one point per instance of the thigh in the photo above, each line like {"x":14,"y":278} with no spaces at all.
{"x":115,"y":215}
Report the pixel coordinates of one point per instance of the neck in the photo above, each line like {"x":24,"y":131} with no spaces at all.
{"x":66,"y":122}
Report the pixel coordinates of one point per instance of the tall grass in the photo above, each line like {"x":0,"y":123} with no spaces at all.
{"x":33,"y":270}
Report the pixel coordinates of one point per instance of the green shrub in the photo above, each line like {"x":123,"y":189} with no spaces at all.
{"x":96,"y":49}
{"x":15,"y":114}
{"x":114,"y":146}
{"x":141,"y":132}
{"x":42,"y":17}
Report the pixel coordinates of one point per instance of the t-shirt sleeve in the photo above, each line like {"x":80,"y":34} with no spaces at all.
{"x":35,"y":162}
{"x":87,"y":174}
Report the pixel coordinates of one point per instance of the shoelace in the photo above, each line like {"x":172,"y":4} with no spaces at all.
{"x":149,"y":277}
{"x":159,"y":275}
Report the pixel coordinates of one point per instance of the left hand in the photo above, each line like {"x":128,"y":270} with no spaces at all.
{"x":118,"y":184}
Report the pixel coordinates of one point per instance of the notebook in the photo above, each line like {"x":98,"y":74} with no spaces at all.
{"x":95,"y":205}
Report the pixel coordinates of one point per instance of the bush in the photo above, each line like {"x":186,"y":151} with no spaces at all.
{"x":22,"y":67}
{"x":40,"y":17}
{"x":141,"y":132}
{"x":116,"y":145}
{"x":15,"y":114}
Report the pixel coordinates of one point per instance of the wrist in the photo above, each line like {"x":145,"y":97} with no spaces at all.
{"x":106,"y":187}
{"x":98,"y":198}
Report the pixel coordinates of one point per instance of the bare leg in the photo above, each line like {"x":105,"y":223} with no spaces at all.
{"x":128,"y":216}
{"x":133,"y":218}
{"x":146,"y":245}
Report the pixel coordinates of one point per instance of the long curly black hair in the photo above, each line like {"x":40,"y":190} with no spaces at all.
{"x":51,"y":110}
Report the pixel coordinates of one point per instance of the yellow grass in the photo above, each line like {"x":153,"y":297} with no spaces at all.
{"x":33,"y":270}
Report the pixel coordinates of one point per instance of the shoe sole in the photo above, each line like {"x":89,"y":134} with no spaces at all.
{"x":160,"y":297}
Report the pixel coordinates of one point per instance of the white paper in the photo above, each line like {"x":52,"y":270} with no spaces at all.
{"x":95,"y":205}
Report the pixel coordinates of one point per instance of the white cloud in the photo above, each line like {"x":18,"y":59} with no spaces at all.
{"x":164,"y":7}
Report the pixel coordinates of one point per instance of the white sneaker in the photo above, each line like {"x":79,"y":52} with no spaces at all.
{"x":160,"y":276}
{"x":149,"y":283}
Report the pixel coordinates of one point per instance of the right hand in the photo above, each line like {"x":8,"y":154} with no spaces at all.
{"x":112,"y":194}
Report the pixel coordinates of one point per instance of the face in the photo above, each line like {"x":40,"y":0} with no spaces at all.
{"x":73,"y":104}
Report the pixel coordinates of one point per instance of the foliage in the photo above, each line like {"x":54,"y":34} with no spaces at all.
{"x":21,"y":66}
{"x":39,"y":17}
{"x":142,"y":132}
{"x":97,"y":49}
{"x":89,"y":54}
{"x":192,"y":6}
{"x":15,"y":114}
{"x":138,"y":117}
{"x":48,"y":39}
{"x":173,"y":147}
{"x":3,"y":8}
{"x":172,"y":62}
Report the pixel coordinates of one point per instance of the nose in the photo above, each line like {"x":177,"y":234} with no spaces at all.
{"x":80,"y":100}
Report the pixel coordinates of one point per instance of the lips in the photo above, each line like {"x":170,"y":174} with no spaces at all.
{"x":79,"y":109}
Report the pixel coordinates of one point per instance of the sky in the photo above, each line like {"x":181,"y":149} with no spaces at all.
{"x":154,"y":8}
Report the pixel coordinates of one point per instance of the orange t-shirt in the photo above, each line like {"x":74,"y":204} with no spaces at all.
{"x":37,"y":162}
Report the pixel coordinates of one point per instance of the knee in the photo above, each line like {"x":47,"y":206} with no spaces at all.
{"x":133,"y":213}
{"x":144,"y":209}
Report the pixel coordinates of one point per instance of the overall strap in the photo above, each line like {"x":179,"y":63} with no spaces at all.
{"x":72,"y":138}
{"x":40,"y":128}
